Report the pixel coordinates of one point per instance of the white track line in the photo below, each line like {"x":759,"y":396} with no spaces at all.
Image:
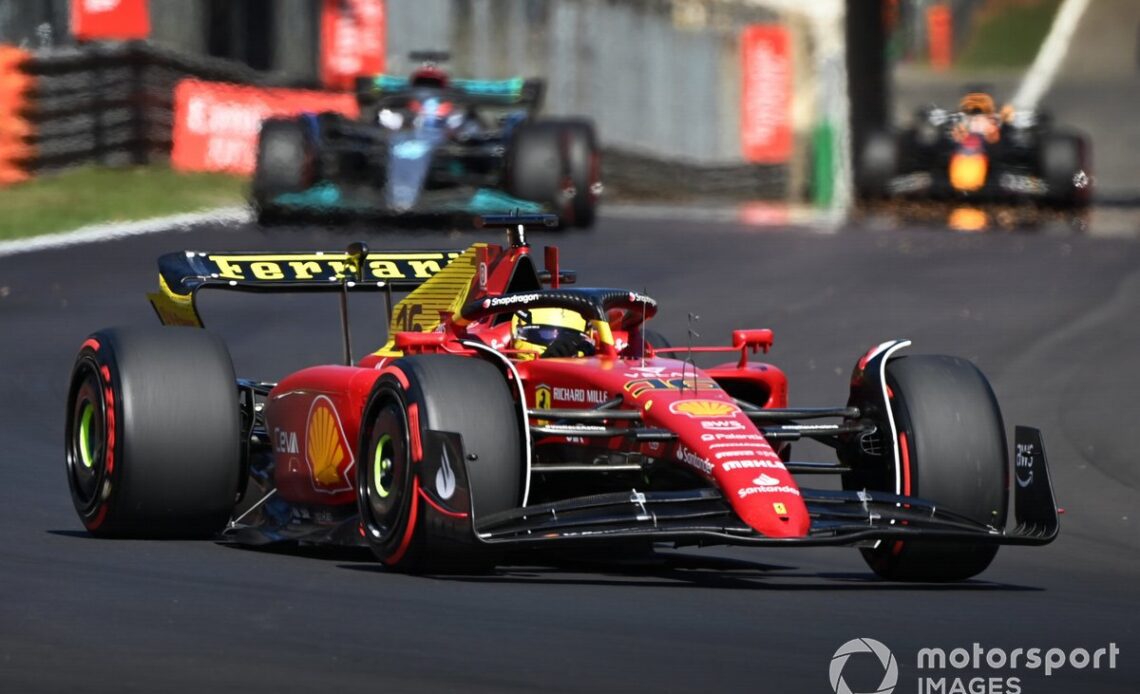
{"x":1040,"y":75}
{"x":97,"y":233}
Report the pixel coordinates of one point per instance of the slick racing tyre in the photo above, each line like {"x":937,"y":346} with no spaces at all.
{"x":287,"y":162}
{"x":952,"y":452}
{"x":444,"y":393}
{"x":152,"y":434}
{"x":878,"y":164}
{"x":1064,"y":166}
{"x":556,"y":163}
{"x":583,"y":164}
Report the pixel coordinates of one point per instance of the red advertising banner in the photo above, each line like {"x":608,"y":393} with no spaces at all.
{"x":216,"y":124}
{"x":940,"y":30}
{"x":118,"y":20}
{"x":353,"y":41}
{"x":766,"y":94}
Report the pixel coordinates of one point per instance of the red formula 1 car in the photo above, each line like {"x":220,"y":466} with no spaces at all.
{"x":452,"y":444}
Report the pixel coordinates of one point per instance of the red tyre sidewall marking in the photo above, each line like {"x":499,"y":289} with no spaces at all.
{"x":109,"y":396}
{"x":904,"y":452}
{"x":109,"y":423}
{"x":396,"y":374}
{"x":414,"y":432}
{"x":409,"y":531}
{"x":437,"y":507}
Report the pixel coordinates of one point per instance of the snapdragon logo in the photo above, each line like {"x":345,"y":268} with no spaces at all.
{"x":864,"y":645}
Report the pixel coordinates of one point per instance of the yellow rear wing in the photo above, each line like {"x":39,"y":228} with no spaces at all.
{"x":437,"y":279}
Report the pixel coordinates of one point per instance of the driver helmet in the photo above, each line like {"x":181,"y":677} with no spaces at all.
{"x":977,"y":103}
{"x":433,"y":109}
{"x":533,"y":330}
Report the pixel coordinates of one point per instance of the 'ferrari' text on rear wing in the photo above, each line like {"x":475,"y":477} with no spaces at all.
{"x":182,"y":274}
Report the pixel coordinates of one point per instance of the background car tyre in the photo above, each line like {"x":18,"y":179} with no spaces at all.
{"x":286,"y":162}
{"x":878,"y":164}
{"x":953,"y":452}
{"x":583,"y":164}
{"x":442,"y":393}
{"x":152,"y":436}
{"x":1064,"y":166}
{"x":556,"y":162}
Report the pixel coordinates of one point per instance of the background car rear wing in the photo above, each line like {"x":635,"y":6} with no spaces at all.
{"x":504,"y":92}
{"x":182,"y":274}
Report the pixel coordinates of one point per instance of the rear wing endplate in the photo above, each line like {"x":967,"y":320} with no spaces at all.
{"x":182,"y":274}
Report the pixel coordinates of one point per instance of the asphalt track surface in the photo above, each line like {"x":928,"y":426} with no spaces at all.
{"x":1050,"y":318}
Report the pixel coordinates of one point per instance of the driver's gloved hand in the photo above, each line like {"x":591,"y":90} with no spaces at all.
{"x":567,"y":345}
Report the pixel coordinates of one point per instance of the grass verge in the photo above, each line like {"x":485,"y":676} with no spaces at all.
{"x":1008,"y":33}
{"x":91,"y":195}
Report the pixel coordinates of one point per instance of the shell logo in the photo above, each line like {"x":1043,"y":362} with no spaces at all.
{"x":326,"y":448}
{"x":703,"y":408}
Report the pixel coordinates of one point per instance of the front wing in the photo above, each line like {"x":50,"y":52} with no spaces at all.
{"x":702,"y":516}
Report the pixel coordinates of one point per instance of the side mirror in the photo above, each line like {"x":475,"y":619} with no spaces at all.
{"x":754,"y":340}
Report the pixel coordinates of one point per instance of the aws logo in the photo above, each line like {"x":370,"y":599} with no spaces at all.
{"x":326,"y":448}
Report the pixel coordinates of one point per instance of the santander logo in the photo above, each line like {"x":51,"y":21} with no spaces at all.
{"x":765,"y":481}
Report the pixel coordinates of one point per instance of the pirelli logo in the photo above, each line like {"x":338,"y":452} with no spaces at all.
{"x":317,"y":266}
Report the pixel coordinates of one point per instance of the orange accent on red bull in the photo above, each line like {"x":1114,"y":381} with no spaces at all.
{"x":968,"y":171}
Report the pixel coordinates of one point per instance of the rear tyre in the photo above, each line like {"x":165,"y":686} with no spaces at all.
{"x":556,"y":163}
{"x":953,"y":452}
{"x":583,"y":165}
{"x":152,"y":436}
{"x":443,"y":393}
{"x":287,"y":162}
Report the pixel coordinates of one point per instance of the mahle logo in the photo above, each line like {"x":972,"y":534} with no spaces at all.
{"x":864,"y":645}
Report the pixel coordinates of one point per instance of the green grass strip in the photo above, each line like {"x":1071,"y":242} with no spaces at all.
{"x":92,"y":195}
{"x":1008,"y":34}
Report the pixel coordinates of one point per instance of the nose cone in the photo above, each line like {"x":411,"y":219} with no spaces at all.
{"x":720,"y":442}
{"x":409,"y":164}
{"x":968,"y":172}
{"x":760,"y":489}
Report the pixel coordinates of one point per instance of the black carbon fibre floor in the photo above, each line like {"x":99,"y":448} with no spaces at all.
{"x":1051,"y":319}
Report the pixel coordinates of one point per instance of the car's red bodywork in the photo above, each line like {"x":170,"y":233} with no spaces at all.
{"x":313,"y":416}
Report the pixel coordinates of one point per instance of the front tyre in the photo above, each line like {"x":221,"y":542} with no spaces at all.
{"x":444,"y":393}
{"x":152,"y":436}
{"x":287,"y":162}
{"x":952,"y":451}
